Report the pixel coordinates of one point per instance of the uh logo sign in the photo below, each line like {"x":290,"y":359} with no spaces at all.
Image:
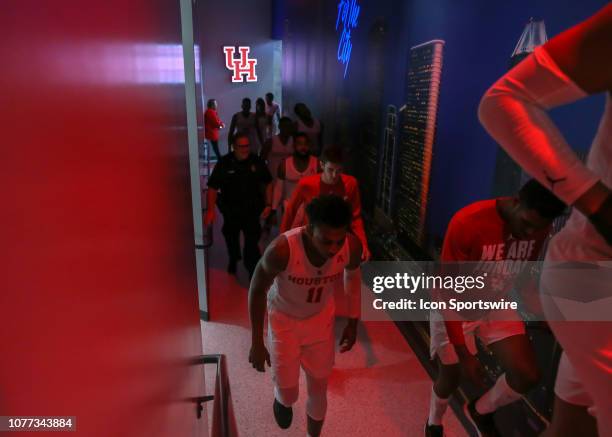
{"x":242,"y":67}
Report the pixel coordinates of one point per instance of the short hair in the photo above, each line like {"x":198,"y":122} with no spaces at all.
{"x":211,"y":103}
{"x":270,"y":95}
{"x":333,"y":154}
{"x":285,"y":120}
{"x":301,"y":135}
{"x":330,"y":210}
{"x":246,"y":99}
{"x":534,"y":195}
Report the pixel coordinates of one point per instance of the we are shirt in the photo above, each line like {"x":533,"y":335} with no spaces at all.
{"x":478,"y":233}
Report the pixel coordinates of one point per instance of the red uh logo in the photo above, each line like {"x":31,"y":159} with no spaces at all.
{"x":241,"y":66}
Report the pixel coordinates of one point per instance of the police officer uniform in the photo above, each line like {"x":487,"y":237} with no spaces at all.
{"x":241,"y":200}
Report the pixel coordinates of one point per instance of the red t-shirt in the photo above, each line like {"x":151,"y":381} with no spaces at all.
{"x":212,"y":123}
{"x":310,"y":187}
{"x":478,"y":233}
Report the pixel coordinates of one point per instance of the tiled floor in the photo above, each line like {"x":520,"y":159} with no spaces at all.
{"x":377,"y":389}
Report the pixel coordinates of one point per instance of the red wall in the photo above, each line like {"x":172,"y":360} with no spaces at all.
{"x":98,"y":299}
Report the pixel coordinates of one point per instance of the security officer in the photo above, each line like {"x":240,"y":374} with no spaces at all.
{"x":242,"y":183}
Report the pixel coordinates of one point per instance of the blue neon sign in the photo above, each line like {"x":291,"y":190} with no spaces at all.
{"x":348,"y":12}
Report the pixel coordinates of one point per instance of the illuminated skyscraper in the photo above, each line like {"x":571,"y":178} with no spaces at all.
{"x":388,"y":163}
{"x":416,"y":139}
{"x":507,"y":172}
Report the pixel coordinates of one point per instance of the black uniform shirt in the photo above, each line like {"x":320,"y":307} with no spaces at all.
{"x":241,"y":184}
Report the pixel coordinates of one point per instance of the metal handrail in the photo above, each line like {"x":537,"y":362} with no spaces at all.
{"x":221,"y":419}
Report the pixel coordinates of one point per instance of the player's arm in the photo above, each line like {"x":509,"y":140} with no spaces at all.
{"x":357,"y":221}
{"x":458,"y":241}
{"x":514,"y":112}
{"x":455,"y":248}
{"x":294,"y":203}
{"x":273,"y":261}
{"x":352,"y":287}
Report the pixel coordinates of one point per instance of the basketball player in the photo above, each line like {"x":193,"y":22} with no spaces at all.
{"x":279,"y":146}
{"x":570,"y":66}
{"x":311,"y":126}
{"x":330,"y":181}
{"x":291,"y":170}
{"x":301,"y":269}
{"x":273,"y":152}
{"x":245,"y":122}
{"x":507,"y":228}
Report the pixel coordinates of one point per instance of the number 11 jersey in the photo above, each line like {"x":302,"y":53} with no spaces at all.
{"x":303,"y":290}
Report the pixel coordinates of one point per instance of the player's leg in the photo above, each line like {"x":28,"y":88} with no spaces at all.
{"x":570,"y":420}
{"x":588,"y":346}
{"x":317,"y":360}
{"x":284,"y":349}
{"x":446,"y":382}
{"x":511,"y":347}
{"x":448,"y":376}
{"x":517,"y":358}
{"x":571,"y":416}
{"x":316,"y":405}
{"x":506,"y":338}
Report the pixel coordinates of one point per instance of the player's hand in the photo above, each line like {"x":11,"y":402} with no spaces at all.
{"x":529,"y":296}
{"x":472,"y":369}
{"x":266,"y":212}
{"x":209,"y":218}
{"x":258,"y":357}
{"x":349,"y":337}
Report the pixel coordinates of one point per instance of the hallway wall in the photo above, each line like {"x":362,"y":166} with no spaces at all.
{"x":479,"y":40}
{"x":99,"y":301}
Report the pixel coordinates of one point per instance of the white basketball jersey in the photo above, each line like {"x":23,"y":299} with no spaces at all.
{"x":303,"y":290}
{"x":293,"y":176}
